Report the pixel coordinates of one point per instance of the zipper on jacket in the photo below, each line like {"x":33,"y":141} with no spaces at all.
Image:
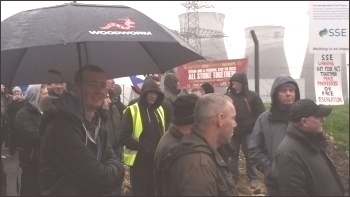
{"x":246,"y":101}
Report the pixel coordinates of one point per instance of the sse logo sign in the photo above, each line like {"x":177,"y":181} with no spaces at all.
{"x":333,"y":32}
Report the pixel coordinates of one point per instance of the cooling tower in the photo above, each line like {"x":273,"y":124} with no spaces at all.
{"x":211,"y":48}
{"x":272,"y":58}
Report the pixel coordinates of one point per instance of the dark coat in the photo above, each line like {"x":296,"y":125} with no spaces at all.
{"x":112,"y":121}
{"x":71,"y":164}
{"x":12,"y":108}
{"x":269,"y":130}
{"x":152,"y":127}
{"x":303,"y":166}
{"x":248,"y":105}
{"x":166,"y":145}
{"x":195,"y":169}
{"x":27,"y":125}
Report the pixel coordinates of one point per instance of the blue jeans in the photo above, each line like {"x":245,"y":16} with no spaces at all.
{"x":236,"y":143}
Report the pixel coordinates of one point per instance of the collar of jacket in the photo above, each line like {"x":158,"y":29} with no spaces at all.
{"x":278,"y":114}
{"x":175,"y":132}
{"x":203,"y":142}
{"x":316,"y":142}
{"x":32,"y":108}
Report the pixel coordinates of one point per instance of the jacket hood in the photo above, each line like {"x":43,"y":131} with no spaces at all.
{"x":68,"y":104}
{"x":242,"y":78}
{"x":281,"y":80}
{"x":151,"y":85}
{"x":170,"y":83}
{"x":32,"y":95}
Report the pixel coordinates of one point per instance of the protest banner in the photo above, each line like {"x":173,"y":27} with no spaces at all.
{"x":328,"y":86}
{"x":217,"y":72}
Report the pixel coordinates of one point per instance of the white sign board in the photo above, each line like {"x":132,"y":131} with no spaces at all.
{"x":347,"y":71}
{"x":329,"y":26}
{"x":328,"y":85}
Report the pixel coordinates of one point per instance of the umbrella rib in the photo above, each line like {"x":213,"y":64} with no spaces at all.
{"x":151,"y":56}
{"x":13,"y":75}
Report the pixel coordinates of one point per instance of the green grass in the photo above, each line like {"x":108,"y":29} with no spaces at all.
{"x":337,"y":125}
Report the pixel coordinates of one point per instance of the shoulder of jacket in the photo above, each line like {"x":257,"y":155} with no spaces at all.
{"x":206,"y":159}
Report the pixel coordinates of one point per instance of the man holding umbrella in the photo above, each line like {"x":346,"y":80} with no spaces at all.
{"x":75,"y":156}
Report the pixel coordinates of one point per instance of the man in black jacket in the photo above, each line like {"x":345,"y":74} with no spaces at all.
{"x":76,"y":158}
{"x":303,"y":165}
{"x":26,"y":123}
{"x":248,"y":107}
{"x":195,"y":166}
{"x":182,"y":124}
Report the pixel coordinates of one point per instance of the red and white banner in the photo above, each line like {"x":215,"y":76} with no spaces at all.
{"x":328,"y":87}
{"x":217,"y":72}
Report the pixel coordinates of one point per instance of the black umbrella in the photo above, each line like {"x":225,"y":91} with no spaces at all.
{"x":122,"y":40}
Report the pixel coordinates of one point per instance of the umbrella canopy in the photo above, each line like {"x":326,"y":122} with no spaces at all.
{"x":120,"y":39}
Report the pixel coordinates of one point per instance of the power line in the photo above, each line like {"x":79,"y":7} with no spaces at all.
{"x":191,"y":31}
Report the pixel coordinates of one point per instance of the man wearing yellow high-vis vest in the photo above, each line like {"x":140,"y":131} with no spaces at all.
{"x":142,"y":126}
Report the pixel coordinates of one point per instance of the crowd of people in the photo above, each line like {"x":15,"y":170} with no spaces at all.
{"x":75,"y":139}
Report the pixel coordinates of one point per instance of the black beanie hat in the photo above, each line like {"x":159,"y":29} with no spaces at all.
{"x":184,"y":109}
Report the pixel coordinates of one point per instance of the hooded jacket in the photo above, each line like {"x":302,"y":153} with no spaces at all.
{"x":248,"y":105}
{"x":151,"y":124}
{"x":170,"y":88}
{"x":26,"y":124}
{"x":195,"y":169}
{"x":304,"y":167}
{"x":75,"y":158}
{"x":269,"y":130}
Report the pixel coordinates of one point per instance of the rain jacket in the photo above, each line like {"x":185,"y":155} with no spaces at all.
{"x":170,"y":88}
{"x":248,"y":105}
{"x":269,"y":131}
{"x":151,"y":124}
{"x":304,"y":167}
{"x":195,"y":169}
{"x":76,"y":158}
{"x":26,"y":124}
{"x":112,"y":121}
{"x":166,"y":144}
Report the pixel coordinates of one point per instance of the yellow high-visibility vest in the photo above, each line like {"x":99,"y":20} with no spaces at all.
{"x":130,"y":155}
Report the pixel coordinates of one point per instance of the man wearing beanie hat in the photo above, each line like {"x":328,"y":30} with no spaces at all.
{"x":270,"y":129}
{"x":195,"y":167}
{"x":303,"y":167}
{"x":182,"y":123}
{"x":249,"y":106}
